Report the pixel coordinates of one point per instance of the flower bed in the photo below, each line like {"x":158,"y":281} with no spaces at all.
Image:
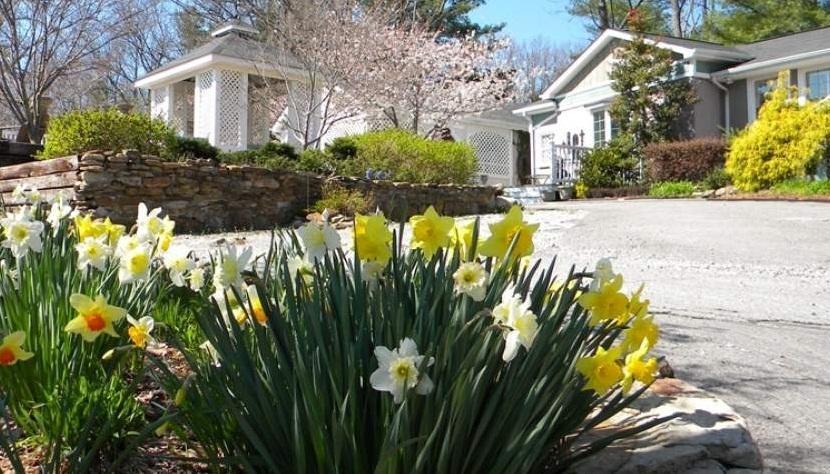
{"x":457,"y":354}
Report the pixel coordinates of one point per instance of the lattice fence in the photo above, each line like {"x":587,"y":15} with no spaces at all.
{"x":158,"y":103}
{"x":231,"y":110}
{"x":204,"y":98}
{"x":492,"y":152}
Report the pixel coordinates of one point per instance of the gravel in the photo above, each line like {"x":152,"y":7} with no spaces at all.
{"x":741,"y":289}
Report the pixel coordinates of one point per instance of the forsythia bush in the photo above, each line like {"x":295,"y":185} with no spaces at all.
{"x":787,"y":141}
{"x":455,"y":355}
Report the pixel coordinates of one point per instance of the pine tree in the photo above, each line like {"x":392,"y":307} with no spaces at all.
{"x":651,"y":98}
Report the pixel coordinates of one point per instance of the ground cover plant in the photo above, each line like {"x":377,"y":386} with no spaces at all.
{"x":672,"y":189}
{"x":802,"y":187}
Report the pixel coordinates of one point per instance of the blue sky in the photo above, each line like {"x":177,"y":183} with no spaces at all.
{"x":530,"y":18}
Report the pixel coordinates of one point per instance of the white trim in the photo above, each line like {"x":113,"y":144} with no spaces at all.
{"x":488,"y":122}
{"x":609,"y":35}
{"x":214,"y":61}
{"x":233,"y":27}
{"x":776,"y":62}
{"x":536,"y":107}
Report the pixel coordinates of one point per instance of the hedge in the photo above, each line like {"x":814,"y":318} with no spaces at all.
{"x":687,"y":160}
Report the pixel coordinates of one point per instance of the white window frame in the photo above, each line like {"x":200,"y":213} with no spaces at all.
{"x":809,"y":92}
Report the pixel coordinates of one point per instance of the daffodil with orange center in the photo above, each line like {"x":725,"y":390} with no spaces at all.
{"x":431,"y":231}
{"x":95,"y":317}
{"x":605,"y":303}
{"x":372,"y":238}
{"x":503,"y":233}
{"x":601,"y":371}
{"x":257,"y":310}
{"x":11,"y":350}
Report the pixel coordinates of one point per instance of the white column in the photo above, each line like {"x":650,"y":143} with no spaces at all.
{"x":231,"y":110}
{"x":161,"y":103}
{"x":204,"y":106}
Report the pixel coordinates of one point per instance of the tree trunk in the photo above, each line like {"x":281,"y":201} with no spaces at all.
{"x":602,"y":15}
{"x":676,"y":26}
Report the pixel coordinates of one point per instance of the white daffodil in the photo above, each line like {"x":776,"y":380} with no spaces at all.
{"x":229,"y":267}
{"x":471,"y":280}
{"x":21,"y":233}
{"x":126,"y":243}
{"x":139,"y":331}
{"x":318,"y":239}
{"x":149,"y":224}
{"x":603,"y":272}
{"x":299,"y":266}
{"x":224,"y":299}
{"x":31,"y":195}
{"x":518,"y":321}
{"x":59,"y":211}
{"x":398,"y":371}
{"x":93,"y":252}
{"x":178,"y":263}
{"x":196,"y":279}
{"x":371,"y":271}
{"x":135,"y":264}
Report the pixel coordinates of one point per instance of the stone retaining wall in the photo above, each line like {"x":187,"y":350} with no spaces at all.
{"x":202,"y":195}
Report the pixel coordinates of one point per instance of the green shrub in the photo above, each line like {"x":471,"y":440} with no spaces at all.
{"x":788,"y":140}
{"x":317,"y":161}
{"x":690,"y":160}
{"x":341,"y":200}
{"x":716,"y":179}
{"x":272,"y":155}
{"x":187,"y":147}
{"x":105,"y":129}
{"x":613,"y":165}
{"x":342,"y":148}
{"x":672,"y":189}
{"x":405,"y":156}
{"x":803,"y":187}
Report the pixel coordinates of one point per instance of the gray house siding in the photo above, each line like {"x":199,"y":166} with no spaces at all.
{"x":738,"y":108}
{"x":707,"y":113}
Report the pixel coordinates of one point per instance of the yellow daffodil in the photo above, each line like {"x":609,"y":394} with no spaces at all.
{"x":140,"y":330}
{"x":430,"y":231}
{"x":258,"y":312}
{"x":372,"y":238}
{"x":642,"y":328}
{"x":462,"y":237}
{"x":601,"y":371}
{"x":85,"y":227}
{"x":503,"y":232}
{"x":636,"y":305}
{"x":164,"y":242}
{"x":605,"y":303}
{"x":11,"y":350}
{"x":636,"y":368}
{"x":94,"y":317}
{"x":113,"y":231}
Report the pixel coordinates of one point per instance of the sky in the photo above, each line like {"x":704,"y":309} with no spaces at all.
{"x":527,"y":19}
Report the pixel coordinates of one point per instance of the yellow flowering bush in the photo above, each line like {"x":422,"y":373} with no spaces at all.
{"x":787,"y":141}
{"x":418,"y":359}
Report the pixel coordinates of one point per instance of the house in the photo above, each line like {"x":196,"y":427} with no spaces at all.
{"x":215,"y":92}
{"x":730,"y":82}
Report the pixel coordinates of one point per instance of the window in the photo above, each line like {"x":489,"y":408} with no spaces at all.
{"x":599,"y":128}
{"x":615,"y":128}
{"x":819,"y":84}
{"x":762,"y":86}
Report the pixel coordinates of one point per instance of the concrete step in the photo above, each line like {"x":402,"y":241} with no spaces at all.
{"x":537,"y":194}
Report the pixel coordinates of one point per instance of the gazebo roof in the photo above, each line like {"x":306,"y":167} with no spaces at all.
{"x":231,"y":47}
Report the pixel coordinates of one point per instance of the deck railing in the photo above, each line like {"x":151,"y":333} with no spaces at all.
{"x":566,"y":163}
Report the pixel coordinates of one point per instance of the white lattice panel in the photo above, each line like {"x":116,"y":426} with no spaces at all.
{"x":259,"y":115}
{"x":205,"y":99}
{"x":344,"y":128}
{"x":231,"y":130}
{"x":183,"y":97}
{"x":159,"y":103}
{"x":492,"y":152}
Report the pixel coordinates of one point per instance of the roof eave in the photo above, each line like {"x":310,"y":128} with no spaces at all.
{"x":195,"y":66}
{"x":536,"y":108}
{"x":748,"y":68}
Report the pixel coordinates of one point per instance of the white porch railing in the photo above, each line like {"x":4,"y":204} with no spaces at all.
{"x":566,"y":163}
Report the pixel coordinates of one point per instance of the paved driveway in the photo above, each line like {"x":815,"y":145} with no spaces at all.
{"x":743,"y":293}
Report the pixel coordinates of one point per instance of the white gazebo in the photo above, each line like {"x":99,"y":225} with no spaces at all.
{"x":212,"y":92}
